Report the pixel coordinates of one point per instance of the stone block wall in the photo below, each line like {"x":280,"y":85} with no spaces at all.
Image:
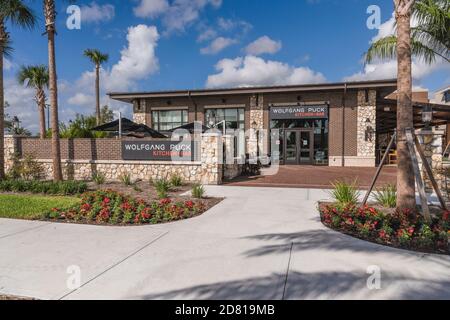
{"x":366,"y":126}
{"x":207,"y":170}
{"x":431,"y":143}
{"x":256,"y":125}
{"x":232,"y":168}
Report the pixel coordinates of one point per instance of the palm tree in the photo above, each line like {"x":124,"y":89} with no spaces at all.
{"x":36,"y":77}
{"x":18,"y":14}
{"x":97,"y":58}
{"x":430,"y":39}
{"x":50,"y":16}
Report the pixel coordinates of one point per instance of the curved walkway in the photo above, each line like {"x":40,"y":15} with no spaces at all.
{"x":259,"y":243}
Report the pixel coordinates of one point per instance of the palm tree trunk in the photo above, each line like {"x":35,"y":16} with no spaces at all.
{"x":405,"y":177}
{"x":97,"y":94}
{"x":49,"y":12}
{"x":40,"y":98}
{"x":2,"y":103}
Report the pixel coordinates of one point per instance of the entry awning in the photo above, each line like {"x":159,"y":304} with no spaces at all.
{"x":130,"y":128}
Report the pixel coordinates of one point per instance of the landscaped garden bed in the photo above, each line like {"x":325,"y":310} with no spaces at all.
{"x":113,"y":208}
{"x":382,"y":224}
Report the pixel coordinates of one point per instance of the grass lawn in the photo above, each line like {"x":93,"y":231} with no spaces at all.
{"x":30,"y":206}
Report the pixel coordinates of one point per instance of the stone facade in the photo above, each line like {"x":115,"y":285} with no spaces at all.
{"x":211,"y":171}
{"x":10,"y":149}
{"x":431,"y":142}
{"x":255,"y":143}
{"x":140,"y":112}
{"x":366,"y":126}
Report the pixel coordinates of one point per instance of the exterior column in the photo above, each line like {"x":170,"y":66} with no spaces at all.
{"x":256,"y":126}
{"x":140,"y":112}
{"x":211,"y":159}
{"x":11,"y":148}
{"x":431,"y":143}
{"x":232,"y":168}
{"x":366,"y":129}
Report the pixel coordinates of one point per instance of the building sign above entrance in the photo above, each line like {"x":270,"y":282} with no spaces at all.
{"x":158,"y":150}
{"x":299,"y":112}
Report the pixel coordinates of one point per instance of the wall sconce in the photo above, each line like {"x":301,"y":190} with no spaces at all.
{"x":169,"y":102}
{"x":368,"y":120}
{"x":224,"y":100}
{"x":299,"y":98}
{"x":427,"y":116}
{"x":369,"y":132}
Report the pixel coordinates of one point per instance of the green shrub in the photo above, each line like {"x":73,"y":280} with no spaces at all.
{"x":176,"y":180}
{"x":345,"y":194}
{"x":198,"y":191}
{"x":126,"y":179}
{"x":162,"y":185}
{"x":44,"y":187}
{"x":27,"y":168}
{"x":99,"y":178}
{"x":386,"y":196}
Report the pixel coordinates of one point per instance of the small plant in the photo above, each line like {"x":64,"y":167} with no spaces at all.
{"x":99,"y":178}
{"x":198,"y":191}
{"x":45,"y":187}
{"x":176,"y":180}
{"x":126,"y":179}
{"x":345,"y":194}
{"x":136,"y":188}
{"x":162,"y":187}
{"x":387,"y":196}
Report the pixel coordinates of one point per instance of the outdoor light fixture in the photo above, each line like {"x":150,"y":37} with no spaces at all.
{"x":224,"y":100}
{"x":169,"y":102}
{"x":427,"y":115}
{"x":15,"y":123}
{"x":368,"y":120}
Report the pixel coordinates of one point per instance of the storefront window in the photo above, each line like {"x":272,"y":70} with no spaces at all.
{"x":234,"y":118}
{"x":165,"y":120}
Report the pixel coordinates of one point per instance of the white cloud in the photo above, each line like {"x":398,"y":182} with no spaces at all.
{"x":263,"y":45}
{"x":151,"y":8}
{"x":175,"y":15}
{"x":255,"y":71}
{"x":97,"y":13}
{"x":81,"y":99}
{"x":206,"y":35}
{"x":388,"y":69}
{"x":22,"y":104}
{"x":218,"y":45}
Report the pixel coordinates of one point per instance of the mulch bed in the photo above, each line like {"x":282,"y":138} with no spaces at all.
{"x":14,"y":298}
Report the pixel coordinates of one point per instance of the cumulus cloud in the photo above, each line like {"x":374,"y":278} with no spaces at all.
{"x":254,"y":71}
{"x":388,"y":69}
{"x":218,"y":45}
{"x":263,"y":45}
{"x":207,"y":34}
{"x":81,"y":99}
{"x":97,"y":13}
{"x":21,"y":104}
{"x":175,"y":15}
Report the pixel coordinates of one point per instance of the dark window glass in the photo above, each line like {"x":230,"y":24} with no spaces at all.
{"x":165,"y":120}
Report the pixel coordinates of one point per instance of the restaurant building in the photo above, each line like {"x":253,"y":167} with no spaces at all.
{"x":330,"y":124}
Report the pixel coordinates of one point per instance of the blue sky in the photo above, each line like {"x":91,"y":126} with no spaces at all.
{"x":180,"y":44}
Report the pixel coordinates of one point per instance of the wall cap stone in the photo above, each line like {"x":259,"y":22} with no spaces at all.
{"x":123,"y":162}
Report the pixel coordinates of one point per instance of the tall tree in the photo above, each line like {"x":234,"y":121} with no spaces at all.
{"x":50,"y":17}
{"x":97,"y":58}
{"x":36,"y":77}
{"x":405,"y":178}
{"x":18,"y":14}
{"x":430,"y":39}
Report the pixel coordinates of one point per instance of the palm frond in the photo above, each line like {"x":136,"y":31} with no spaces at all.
{"x":34,"y":76}
{"x":96,"y":56}
{"x":17,"y":13}
{"x":384,"y":48}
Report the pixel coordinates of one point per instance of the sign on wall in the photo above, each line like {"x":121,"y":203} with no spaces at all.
{"x":158,"y":150}
{"x":299,"y":112}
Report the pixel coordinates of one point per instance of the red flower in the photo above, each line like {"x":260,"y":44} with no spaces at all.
{"x":164,"y":202}
{"x":189,"y":204}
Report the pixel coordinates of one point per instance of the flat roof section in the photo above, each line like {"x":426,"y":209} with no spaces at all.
{"x":130,"y":96}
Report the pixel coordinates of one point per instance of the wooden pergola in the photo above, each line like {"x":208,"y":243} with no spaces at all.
{"x":387,"y":115}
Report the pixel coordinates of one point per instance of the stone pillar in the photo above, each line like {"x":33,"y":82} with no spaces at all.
{"x":256,"y":125}
{"x":11,"y":148}
{"x":366,"y":126}
{"x":211,"y":158}
{"x":431,"y":143}
{"x":140,"y":111}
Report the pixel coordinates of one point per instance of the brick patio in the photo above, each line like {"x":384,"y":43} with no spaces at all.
{"x":317,"y":177}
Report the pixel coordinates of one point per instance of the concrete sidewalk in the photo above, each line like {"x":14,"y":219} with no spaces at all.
{"x":259,"y":243}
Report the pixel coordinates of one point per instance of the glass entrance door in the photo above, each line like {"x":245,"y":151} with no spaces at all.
{"x":299,"y":147}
